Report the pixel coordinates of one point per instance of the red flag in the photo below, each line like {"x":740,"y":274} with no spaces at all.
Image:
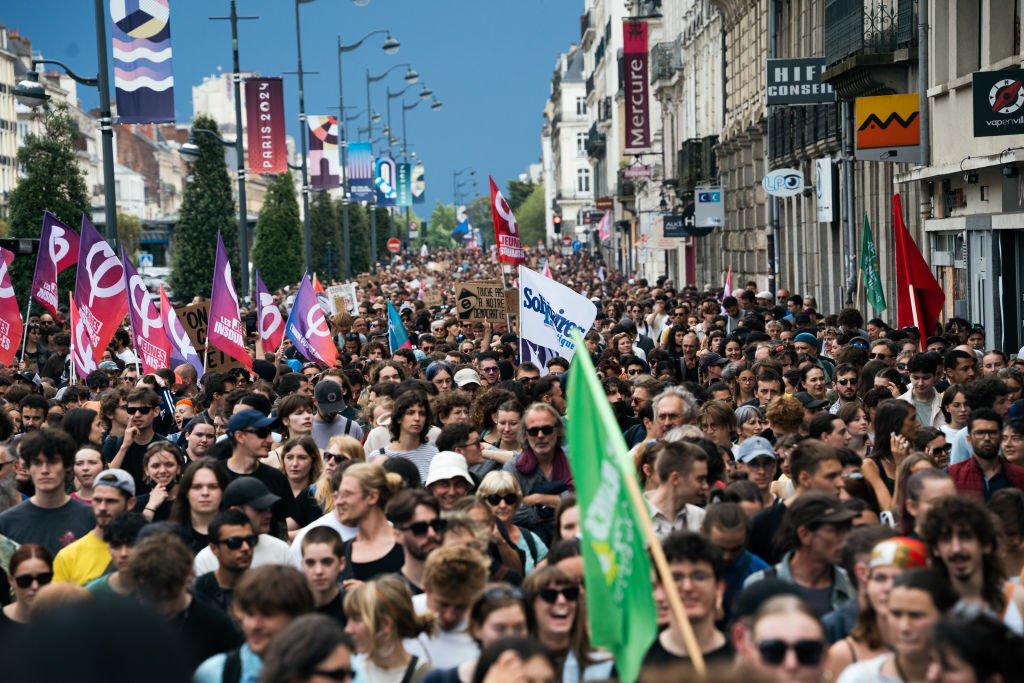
{"x":99,"y":288}
{"x":547,"y":270}
{"x":81,"y":346}
{"x":149,"y":337}
{"x":10,"y":314}
{"x":317,"y":287}
{"x":506,"y":230}
{"x":919,"y":298}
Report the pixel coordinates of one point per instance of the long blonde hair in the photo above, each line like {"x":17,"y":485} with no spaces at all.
{"x":387,"y":598}
{"x":351,"y":449}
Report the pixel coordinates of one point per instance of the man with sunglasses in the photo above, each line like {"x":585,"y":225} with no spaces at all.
{"x":542,"y":467}
{"x":88,"y":557}
{"x":697,"y":568}
{"x":415,"y":515}
{"x":845,"y":385}
{"x":884,"y":350}
{"x":487,"y":364}
{"x":249,"y":434}
{"x":232,"y":543}
{"x":125,"y":452}
{"x":923,"y":369}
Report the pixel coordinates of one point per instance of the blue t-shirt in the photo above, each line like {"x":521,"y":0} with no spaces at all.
{"x":746,"y":564}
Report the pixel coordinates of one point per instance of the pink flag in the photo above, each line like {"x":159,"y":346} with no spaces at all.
{"x":506,"y":230}
{"x":10,"y":315}
{"x":307,"y":327}
{"x":728,"y":283}
{"x":149,"y":338}
{"x":268,"y":317}
{"x":58,"y":249}
{"x":603,"y":231}
{"x":224,"y":329}
{"x":182,"y":350}
{"x":99,"y":288}
{"x":547,"y":270}
{"x":81,"y":347}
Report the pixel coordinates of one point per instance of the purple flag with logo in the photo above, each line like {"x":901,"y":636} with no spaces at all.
{"x":224,"y":328}
{"x":58,"y":249}
{"x":182,"y":350}
{"x":307,"y":327}
{"x":268,"y":316}
{"x":99,"y":288}
{"x":149,"y":338}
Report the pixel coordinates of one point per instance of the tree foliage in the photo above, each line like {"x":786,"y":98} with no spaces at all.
{"x":206,"y":207}
{"x":129,"y":232}
{"x":439,"y":229}
{"x":324,"y":230}
{"x":277,"y":251}
{"x":359,"y":238}
{"x":531,"y":217}
{"x":518,"y":192}
{"x":52,"y":182}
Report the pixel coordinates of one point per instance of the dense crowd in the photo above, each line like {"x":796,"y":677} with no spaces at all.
{"x":837,"y":500}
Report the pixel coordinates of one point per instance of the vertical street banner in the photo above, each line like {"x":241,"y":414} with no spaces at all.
{"x":99,"y":288}
{"x":149,"y":338}
{"x":506,"y":229}
{"x":634,"y":65}
{"x":224,"y":328}
{"x":419,"y":184}
{"x":10,"y":315}
{"x":83,"y":357}
{"x":143,"y":79}
{"x":324,"y":169}
{"x":360,"y":171}
{"x":603,"y":232}
{"x":307,"y":327}
{"x":548,"y":312}
{"x":264,"y":120}
{"x":869,"y":266}
{"x":58,"y":249}
{"x":386,"y":182}
{"x":404,"y":188}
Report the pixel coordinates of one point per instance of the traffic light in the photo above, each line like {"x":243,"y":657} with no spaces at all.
{"x":558,"y":223}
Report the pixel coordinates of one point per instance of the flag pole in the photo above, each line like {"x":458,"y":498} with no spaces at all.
{"x":73,"y":372}
{"x":668,"y":582}
{"x":917,"y":323}
{"x":504,"y":286}
{"x":24,"y":334}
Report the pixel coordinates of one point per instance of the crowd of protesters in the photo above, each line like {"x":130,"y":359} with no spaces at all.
{"x":837,"y":500}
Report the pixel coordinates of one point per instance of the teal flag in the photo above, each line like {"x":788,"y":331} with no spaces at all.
{"x":869,"y":266}
{"x":616,"y":568}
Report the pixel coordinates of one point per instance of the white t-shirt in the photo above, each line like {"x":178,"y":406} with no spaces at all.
{"x":269,"y":550}
{"x":445,"y":650}
{"x":379,"y":437}
{"x":331,"y":520}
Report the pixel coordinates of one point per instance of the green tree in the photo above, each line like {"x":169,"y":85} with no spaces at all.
{"x":531,"y":217}
{"x":324,"y":229}
{"x":383,"y":232}
{"x":518,"y":192}
{"x":277,"y":251}
{"x":481,"y":218}
{"x":439,"y":229}
{"x":359,"y":238}
{"x":52,"y":182}
{"x":206,"y":207}
{"x":129,"y":232}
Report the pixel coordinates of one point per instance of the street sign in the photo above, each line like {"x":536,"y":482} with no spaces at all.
{"x":145,"y":260}
{"x":566,"y":241}
{"x":394,"y":245}
{"x":414,"y":230}
{"x":577,"y":245}
{"x":783,"y":182}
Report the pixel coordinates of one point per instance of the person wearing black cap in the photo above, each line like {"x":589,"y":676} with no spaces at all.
{"x":711,"y":365}
{"x":813,"y":529}
{"x":812,"y":406}
{"x":249,"y":434}
{"x":328,"y":421}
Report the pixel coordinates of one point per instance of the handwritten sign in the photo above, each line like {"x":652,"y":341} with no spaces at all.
{"x":194,"y":319}
{"x":482,"y":301}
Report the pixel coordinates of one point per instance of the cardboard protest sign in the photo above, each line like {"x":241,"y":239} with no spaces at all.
{"x":195,"y":319}
{"x":481,"y":301}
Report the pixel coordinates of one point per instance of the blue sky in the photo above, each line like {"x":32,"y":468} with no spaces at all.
{"x":488,"y":62}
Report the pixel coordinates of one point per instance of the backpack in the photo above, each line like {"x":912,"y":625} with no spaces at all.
{"x":232,"y":672}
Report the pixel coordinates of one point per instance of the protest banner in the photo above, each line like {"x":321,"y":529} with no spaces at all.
{"x":194,"y":319}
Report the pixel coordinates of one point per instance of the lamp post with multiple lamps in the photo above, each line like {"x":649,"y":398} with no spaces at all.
{"x":425,"y":94}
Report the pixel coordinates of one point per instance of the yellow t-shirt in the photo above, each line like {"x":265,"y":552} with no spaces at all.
{"x":82,"y":561}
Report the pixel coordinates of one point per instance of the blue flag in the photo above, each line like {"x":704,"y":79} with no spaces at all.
{"x":397,"y":337}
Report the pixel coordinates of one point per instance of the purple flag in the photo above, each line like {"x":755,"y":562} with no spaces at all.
{"x":58,"y":249}
{"x":182,"y":350}
{"x":99,"y":288}
{"x":149,"y":338}
{"x":224,"y":329}
{"x":307,"y":327}
{"x":268,"y":317}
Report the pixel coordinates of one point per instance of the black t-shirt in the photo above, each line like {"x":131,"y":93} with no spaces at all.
{"x":277,"y":484}
{"x":162,"y":512}
{"x":308,"y":509}
{"x":762,"y":528}
{"x":207,"y":588}
{"x":658,"y":656}
{"x":333,"y":609}
{"x":52,"y":528}
{"x":205,"y":630}
{"x":364,"y":571}
{"x":132,"y":463}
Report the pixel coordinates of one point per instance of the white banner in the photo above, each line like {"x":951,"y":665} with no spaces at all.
{"x":547,"y":313}
{"x":343,"y":297}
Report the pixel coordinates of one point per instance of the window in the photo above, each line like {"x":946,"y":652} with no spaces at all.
{"x":583,"y":180}
{"x":581,"y":106}
{"x":581,"y":144}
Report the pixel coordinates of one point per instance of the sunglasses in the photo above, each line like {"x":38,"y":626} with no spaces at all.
{"x":25,"y":580}
{"x":844,"y":382}
{"x":808,"y":652}
{"x":901,"y":366}
{"x":878,"y":356}
{"x":634,"y":372}
{"x":261,"y":432}
{"x":943,"y":449}
{"x":509,"y":498}
{"x":335,"y":674}
{"x":420,"y":528}
{"x":235,"y":542}
{"x":550,"y":595}
{"x":336,"y":457}
{"x":141,"y":410}
{"x":545,"y":430}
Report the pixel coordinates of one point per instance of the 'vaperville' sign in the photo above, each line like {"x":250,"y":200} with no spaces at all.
{"x":634,"y":54}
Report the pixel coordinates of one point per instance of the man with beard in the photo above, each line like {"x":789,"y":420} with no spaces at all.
{"x":617,"y":391}
{"x":845,"y":385}
{"x":415,"y":515}
{"x":232,"y":542}
{"x":9,"y":495}
{"x":88,"y":557}
{"x":126,"y":451}
{"x":985,"y":472}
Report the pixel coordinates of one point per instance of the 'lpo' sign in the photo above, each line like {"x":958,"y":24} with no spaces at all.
{"x":783,"y":182}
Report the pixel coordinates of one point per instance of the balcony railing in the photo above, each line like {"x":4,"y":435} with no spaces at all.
{"x":625,"y":187}
{"x":855,"y":27}
{"x":604,"y":109}
{"x":790,"y":129}
{"x":698,"y":162}
{"x":665,"y":60}
{"x":596,"y":141}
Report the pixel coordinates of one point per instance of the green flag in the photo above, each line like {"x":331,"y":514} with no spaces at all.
{"x":869,"y":265}
{"x":617,"y":570}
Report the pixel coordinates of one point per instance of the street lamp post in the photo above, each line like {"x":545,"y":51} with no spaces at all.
{"x":455,"y":186}
{"x":390,"y":46}
{"x":31,"y":94}
{"x":425,"y":94}
{"x":304,"y":132}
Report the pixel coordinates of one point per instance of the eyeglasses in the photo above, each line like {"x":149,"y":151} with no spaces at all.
{"x":844,"y":382}
{"x":131,"y":378}
{"x":336,"y":457}
{"x":879,"y":356}
{"x":544,"y":429}
{"x":235,"y":542}
{"x":808,"y":652}
{"x":514,"y":592}
{"x":141,"y":410}
{"x":634,"y":371}
{"x":984,"y":433}
{"x":420,"y":528}
{"x":550,"y":595}
{"x":335,"y":674}
{"x":509,"y":498}
{"x":947,"y":448}
{"x":25,"y":580}
{"x":260,"y":432}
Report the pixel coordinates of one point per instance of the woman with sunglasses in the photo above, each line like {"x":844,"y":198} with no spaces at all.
{"x":786,"y":641}
{"x":88,"y":465}
{"x":932,"y":442}
{"x":161,"y":465}
{"x":560,"y":624}
{"x":339,"y":449}
{"x":203,"y":482}
{"x":34,"y":354}
{"x":296,"y":414}
{"x":31,"y":568}
{"x":917,"y":600}
{"x":302,"y":465}
{"x":502,"y":493}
